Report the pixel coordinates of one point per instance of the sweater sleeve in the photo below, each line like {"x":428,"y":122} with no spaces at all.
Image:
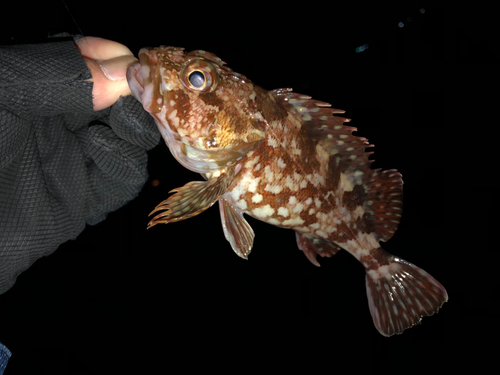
{"x":62,"y":164}
{"x":44,"y":79}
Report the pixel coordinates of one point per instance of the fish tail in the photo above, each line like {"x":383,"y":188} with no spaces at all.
{"x":400,"y":294}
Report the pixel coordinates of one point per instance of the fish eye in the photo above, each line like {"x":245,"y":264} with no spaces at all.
{"x":197,"y":79}
{"x":199,"y":75}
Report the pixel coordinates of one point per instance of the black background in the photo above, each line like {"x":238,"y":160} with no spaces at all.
{"x":176,"y":296}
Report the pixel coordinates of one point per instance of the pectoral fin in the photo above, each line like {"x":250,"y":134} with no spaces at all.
{"x":192,"y":199}
{"x":236,"y":229}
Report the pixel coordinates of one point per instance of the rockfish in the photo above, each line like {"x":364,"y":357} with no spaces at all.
{"x":286,"y":159}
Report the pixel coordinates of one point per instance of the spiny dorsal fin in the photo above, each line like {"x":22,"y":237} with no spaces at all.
{"x":378,"y":193}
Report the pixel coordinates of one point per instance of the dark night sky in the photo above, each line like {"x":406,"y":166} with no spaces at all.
{"x":119,"y":286}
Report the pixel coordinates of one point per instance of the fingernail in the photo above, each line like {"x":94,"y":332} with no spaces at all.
{"x":116,"y":69}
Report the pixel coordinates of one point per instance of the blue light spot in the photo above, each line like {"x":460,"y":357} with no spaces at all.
{"x":422,"y":11}
{"x":401,"y":24}
{"x":361,"y":48}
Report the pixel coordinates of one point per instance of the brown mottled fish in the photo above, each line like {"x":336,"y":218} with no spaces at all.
{"x":285,"y":159}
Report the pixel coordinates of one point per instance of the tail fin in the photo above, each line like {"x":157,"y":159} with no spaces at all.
{"x":400,"y":294}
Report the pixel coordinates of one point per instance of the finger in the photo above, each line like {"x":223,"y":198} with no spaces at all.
{"x":105,"y":92}
{"x":115,"y":69}
{"x":108,"y":62}
{"x":95,"y":48}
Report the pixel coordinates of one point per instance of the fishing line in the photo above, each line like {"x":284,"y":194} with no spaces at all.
{"x":73,"y":18}
{"x":76,"y":24}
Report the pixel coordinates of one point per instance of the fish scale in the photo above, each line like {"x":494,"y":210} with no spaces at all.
{"x":288,"y":160}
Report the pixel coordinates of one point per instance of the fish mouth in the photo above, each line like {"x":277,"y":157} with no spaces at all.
{"x":135,"y":81}
{"x":142,"y":79}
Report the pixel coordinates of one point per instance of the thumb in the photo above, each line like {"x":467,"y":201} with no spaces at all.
{"x":108,"y":62}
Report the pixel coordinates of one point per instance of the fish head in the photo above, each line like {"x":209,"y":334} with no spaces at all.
{"x":207,"y":113}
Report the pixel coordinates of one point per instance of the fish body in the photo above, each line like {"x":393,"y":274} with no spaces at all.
{"x":288,"y":160}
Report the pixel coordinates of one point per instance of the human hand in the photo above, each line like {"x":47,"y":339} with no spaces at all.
{"x":108,"y":62}
{"x":71,"y":148}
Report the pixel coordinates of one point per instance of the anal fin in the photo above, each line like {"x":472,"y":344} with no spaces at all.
{"x":313,"y":246}
{"x":236,"y":229}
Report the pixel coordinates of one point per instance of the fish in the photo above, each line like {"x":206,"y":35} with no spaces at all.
{"x":285,"y":159}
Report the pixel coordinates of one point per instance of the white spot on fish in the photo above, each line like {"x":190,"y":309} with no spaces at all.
{"x":345,"y":184}
{"x":257,"y":198}
{"x":321,"y":234}
{"x":311,"y":211}
{"x":273,"y":221}
{"x":292,"y":200}
{"x":308,"y":201}
{"x":322,"y":154}
{"x":272,"y":142}
{"x":295,"y":150}
{"x":249,"y":164}
{"x":237,"y":192}
{"x":242,"y":204}
{"x":263,"y":212}
{"x":315,"y":226}
{"x":269,"y":173}
{"x":317,"y":179}
{"x":321,"y":216}
{"x":173,"y":119}
{"x":358,"y":176}
{"x":359,"y":211}
{"x":283,"y":211}
{"x":275,"y":189}
{"x":317,"y":202}
{"x":298,"y":208}
{"x":293,"y":221}
{"x":252,"y":185}
{"x":169,"y":86}
{"x":291,"y":184}
{"x":281,"y":164}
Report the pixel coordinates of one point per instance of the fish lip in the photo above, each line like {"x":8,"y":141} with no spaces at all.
{"x":135,"y":81}
{"x":140,"y":81}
